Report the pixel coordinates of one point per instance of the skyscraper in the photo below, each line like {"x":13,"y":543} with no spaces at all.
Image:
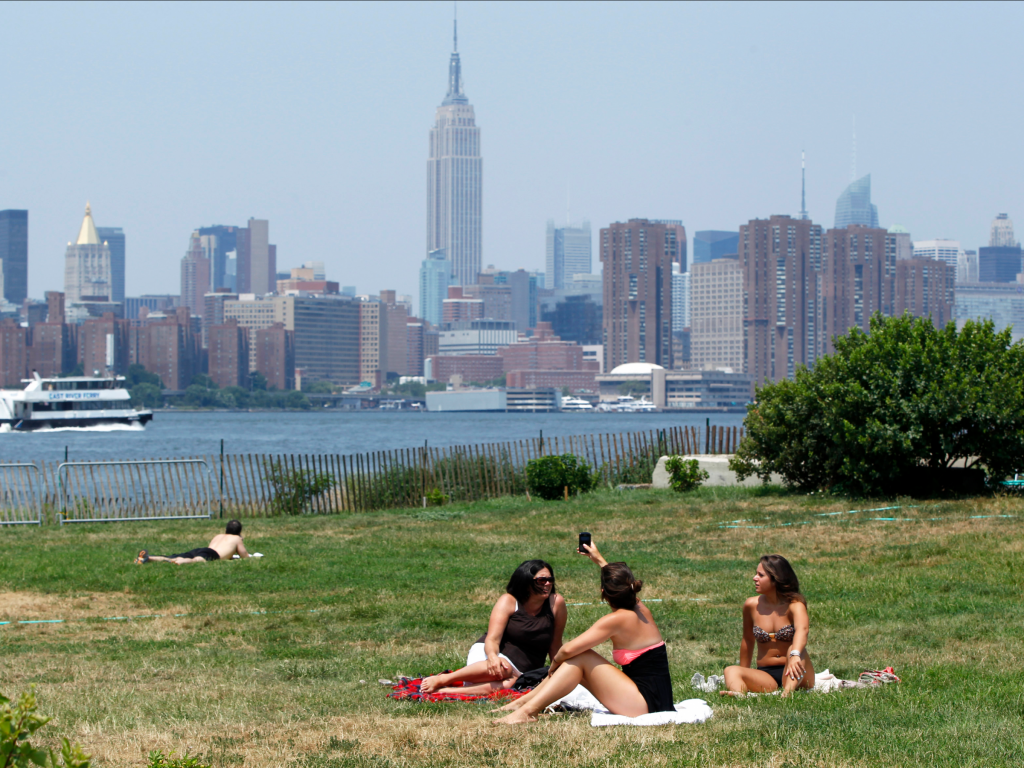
{"x":14,"y":255}
{"x":711,"y":244}
{"x":87,"y":265}
{"x":854,"y":205}
{"x":1002,"y":232}
{"x":454,"y":180}
{"x":638,"y":256}
{"x":217,"y":242}
{"x":936,"y":250}
{"x":195,"y":276}
{"x":568,"y":253}
{"x":114,"y":239}
{"x":435,"y":277}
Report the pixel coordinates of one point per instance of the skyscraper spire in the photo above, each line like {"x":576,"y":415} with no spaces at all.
{"x":455,"y":93}
{"x":455,"y":27}
{"x":803,"y":186}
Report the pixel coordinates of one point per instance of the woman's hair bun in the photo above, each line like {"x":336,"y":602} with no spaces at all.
{"x":638,"y":585}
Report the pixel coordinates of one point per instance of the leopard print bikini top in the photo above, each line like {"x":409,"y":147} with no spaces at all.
{"x":781,"y":635}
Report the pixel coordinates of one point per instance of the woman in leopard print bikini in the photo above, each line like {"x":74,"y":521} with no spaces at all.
{"x":776,"y":619}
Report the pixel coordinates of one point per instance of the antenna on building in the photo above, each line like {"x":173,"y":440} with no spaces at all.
{"x":803,"y":186}
{"x":455,"y":26}
{"x":853,"y":158}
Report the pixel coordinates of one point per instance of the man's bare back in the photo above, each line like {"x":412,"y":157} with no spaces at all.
{"x":222,"y":547}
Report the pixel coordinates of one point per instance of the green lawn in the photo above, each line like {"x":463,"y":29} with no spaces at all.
{"x":346,"y":599}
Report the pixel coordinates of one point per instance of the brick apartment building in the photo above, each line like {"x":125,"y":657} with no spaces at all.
{"x":275,"y":356}
{"x":228,"y":356}
{"x":924,"y":287}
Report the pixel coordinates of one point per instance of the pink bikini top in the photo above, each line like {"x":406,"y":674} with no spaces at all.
{"x":623,"y":657}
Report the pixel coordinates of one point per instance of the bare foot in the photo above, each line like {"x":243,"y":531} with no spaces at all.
{"x":519,"y":717}
{"x":737,"y":694}
{"x":432,"y":683}
{"x":512,"y":706}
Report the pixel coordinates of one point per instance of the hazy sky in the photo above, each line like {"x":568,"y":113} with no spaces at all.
{"x":168,"y":117}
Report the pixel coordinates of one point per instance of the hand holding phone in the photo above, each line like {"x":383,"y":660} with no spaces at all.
{"x":584,"y":539}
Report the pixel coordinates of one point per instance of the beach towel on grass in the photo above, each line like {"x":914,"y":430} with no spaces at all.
{"x":689,"y":711}
{"x":408,"y":689}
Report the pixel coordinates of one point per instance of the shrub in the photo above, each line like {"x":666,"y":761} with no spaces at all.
{"x":436,"y":499}
{"x":906,"y":398}
{"x":549,"y":476}
{"x":294,"y":489}
{"x":158,"y":759}
{"x":17,"y":726}
{"x":685,"y":474}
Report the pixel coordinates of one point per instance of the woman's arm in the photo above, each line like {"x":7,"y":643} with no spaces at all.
{"x":747,"y":642}
{"x":500,"y":614}
{"x":561,"y":615}
{"x":600,"y":630}
{"x":590,"y":550}
{"x":801,"y":626}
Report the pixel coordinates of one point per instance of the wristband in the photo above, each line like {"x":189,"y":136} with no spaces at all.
{"x":796,"y":653}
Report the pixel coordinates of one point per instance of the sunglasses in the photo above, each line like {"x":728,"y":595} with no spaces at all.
{"x":544,"y":580}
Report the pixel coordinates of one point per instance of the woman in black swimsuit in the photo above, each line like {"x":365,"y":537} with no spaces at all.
{"x":526,"y":627}
{"x":777,"y":621}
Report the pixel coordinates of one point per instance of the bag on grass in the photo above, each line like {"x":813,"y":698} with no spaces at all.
{"x":530,"y":680}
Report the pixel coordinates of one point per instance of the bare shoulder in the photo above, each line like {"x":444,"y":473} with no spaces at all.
{"x":797,"y":610}
{"x":506,"y":604}
{"x":750,"y":604}
{"x":558,"y":602}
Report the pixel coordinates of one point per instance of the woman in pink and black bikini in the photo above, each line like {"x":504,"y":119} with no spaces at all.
{"x":642,"y":685}
{"x":777,"y":620}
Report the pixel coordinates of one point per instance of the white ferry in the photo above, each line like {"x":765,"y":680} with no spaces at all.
{"x":576,"y":404}
{"x":77,"y":401}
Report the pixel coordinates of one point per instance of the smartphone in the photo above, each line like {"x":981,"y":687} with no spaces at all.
{"x":584,"y":539}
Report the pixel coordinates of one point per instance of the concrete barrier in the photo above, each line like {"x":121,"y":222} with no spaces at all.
{"x":717,"y":467}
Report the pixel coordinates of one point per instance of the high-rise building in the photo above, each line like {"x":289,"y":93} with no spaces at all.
{"x":711,"y":244}
{"x":87,"y":265}
{"x":576,"y":318}
{"x":904,"y":245}
{"x":681,"y":297}
{"x":858,"y":280}
{"x":1002,"y":303}
{"x":394,"y":341}
{"x":947,"y":251}
{"x":369,"y":343}
{"x":228,"y":353}
{"x":568,"y":252}
{"x":275,"y":356}
{"x":454,"y":181}
{"x":497,"y":299}
{"x":218,"y":243}
{"x":14,"y":255}
{"x":854,"y":205}
{"x":414,"y":346}
{"x":168,"y":345}
{"x":113,"y":237}
{"x":435,"y":277}
{"x":999,"y":263}
{"x":781,"y":259}
{"x":476,"y":337}
{"x":13,"y":354}
{"x":195,"y":276}
{"x":458,"y":307}
{"x":924,"y":287}
{"x":637,"y":256}
{"x":256,"y":261}
{"x":967,"y":267}
{"x":716,"y":315}
{"x":1002,"y":232}
{"x":523,"y":295}
{"x":103,"y":345}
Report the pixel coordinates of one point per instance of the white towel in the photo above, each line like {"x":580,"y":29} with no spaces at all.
{"x":254,"y":554}
{"x":689,"y":711}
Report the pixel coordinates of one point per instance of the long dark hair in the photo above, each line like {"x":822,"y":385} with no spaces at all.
{"x":521,"y":586}
{"x":618,"y":586}
{"x":787,"y":586}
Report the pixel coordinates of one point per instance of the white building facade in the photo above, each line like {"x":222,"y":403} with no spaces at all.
{"x":87,"y":265}
{"x":939,"y":250}
{"x":569,"y":252}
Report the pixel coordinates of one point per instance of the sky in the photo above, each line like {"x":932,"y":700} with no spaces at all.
{"x":168,"y":117}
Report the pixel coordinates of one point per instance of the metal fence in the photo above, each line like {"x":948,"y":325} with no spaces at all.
{"x":22,"y":494}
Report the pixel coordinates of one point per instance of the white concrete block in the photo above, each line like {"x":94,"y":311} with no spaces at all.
{"x":717,"y":467}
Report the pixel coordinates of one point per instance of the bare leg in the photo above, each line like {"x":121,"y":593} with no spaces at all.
{"x":608,"y":683}
{"x":789,"y":684}
{"x":740,"y":680}
{"x":474,"y":673}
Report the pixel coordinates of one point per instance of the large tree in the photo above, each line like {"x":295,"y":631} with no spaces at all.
{"x":888,"y":402}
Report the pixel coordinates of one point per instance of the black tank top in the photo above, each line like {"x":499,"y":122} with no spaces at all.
{"x":527,"y":639}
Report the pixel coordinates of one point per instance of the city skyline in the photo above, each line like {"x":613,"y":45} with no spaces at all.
{"x":306,"y":157}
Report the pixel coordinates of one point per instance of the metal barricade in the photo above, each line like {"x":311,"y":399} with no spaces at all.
{"x":158,"y":489}
{"x":21,"y":494}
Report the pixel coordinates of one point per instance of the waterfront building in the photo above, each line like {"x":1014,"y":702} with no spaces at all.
{"x":87,"y":265}
{"x":947,"y":251}
{"x":1002,"y":303}
{"x":702,"y":389}
{"x":716,"y":315}
{"x":326,"y":329}
{"x":858,"y":280}
{"x":999,"y":263}
{"x":169,"y":346}
{"x":115,"y":241}
{"x":472,"y":368}
{"x":576,"y":318}
{"x":394,"y":339}
{"x":414,"y":330}
{"x":924,"y":287}
{"x":781,"y":259}
{"x":711,"y":244}
{"x":103,"y":345}
{"x":854,"y":205}
{"x":369,"y":343}
{"x":637,"y":279}
{"x":195,"y":276}
{"x":454,"y":181}
{"x":904,"y":245}
{"x":476,"y":337}
{"x":228,"y":357}
{"x":967,"y":267}
{"x":1001,"y":234}
{"x":53,"y":350}
{"x":568,"y":252}
{"x":13,"y":354}
{"x":275,"y":356}
{"x":218,"y":243}
{"x":544,"y":351}
{"x":435,"y":276}
{"x":213,"y":311}
{"x":14,"y":255}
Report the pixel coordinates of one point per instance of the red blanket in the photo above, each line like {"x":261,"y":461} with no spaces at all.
{"x":408,"y":688}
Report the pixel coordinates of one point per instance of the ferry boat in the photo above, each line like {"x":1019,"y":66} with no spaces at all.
{"x":77,"y":401}
{"x":576,"y":404}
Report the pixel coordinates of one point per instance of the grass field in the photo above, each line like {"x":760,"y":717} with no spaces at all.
{"x":937,"y":594}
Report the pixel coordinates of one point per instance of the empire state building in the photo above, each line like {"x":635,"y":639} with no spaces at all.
{"x":454,"y":180}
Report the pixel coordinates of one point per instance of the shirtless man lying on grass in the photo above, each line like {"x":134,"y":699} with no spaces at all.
{"x":222,"y":547}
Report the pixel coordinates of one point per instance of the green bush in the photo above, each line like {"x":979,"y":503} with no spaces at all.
{"x":886,"y":407}
{"x":685,"y":474}
{"x":294,"y":489}
{"x":17,"y":726}
{"x":436,"y":499}
{"x":158,"y":759}
{"x":549,"y":476}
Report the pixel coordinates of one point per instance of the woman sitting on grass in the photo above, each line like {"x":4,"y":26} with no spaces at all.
{"x":777,"y":620}
{"x":526,"y":625}
{"x":642,"y":685}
